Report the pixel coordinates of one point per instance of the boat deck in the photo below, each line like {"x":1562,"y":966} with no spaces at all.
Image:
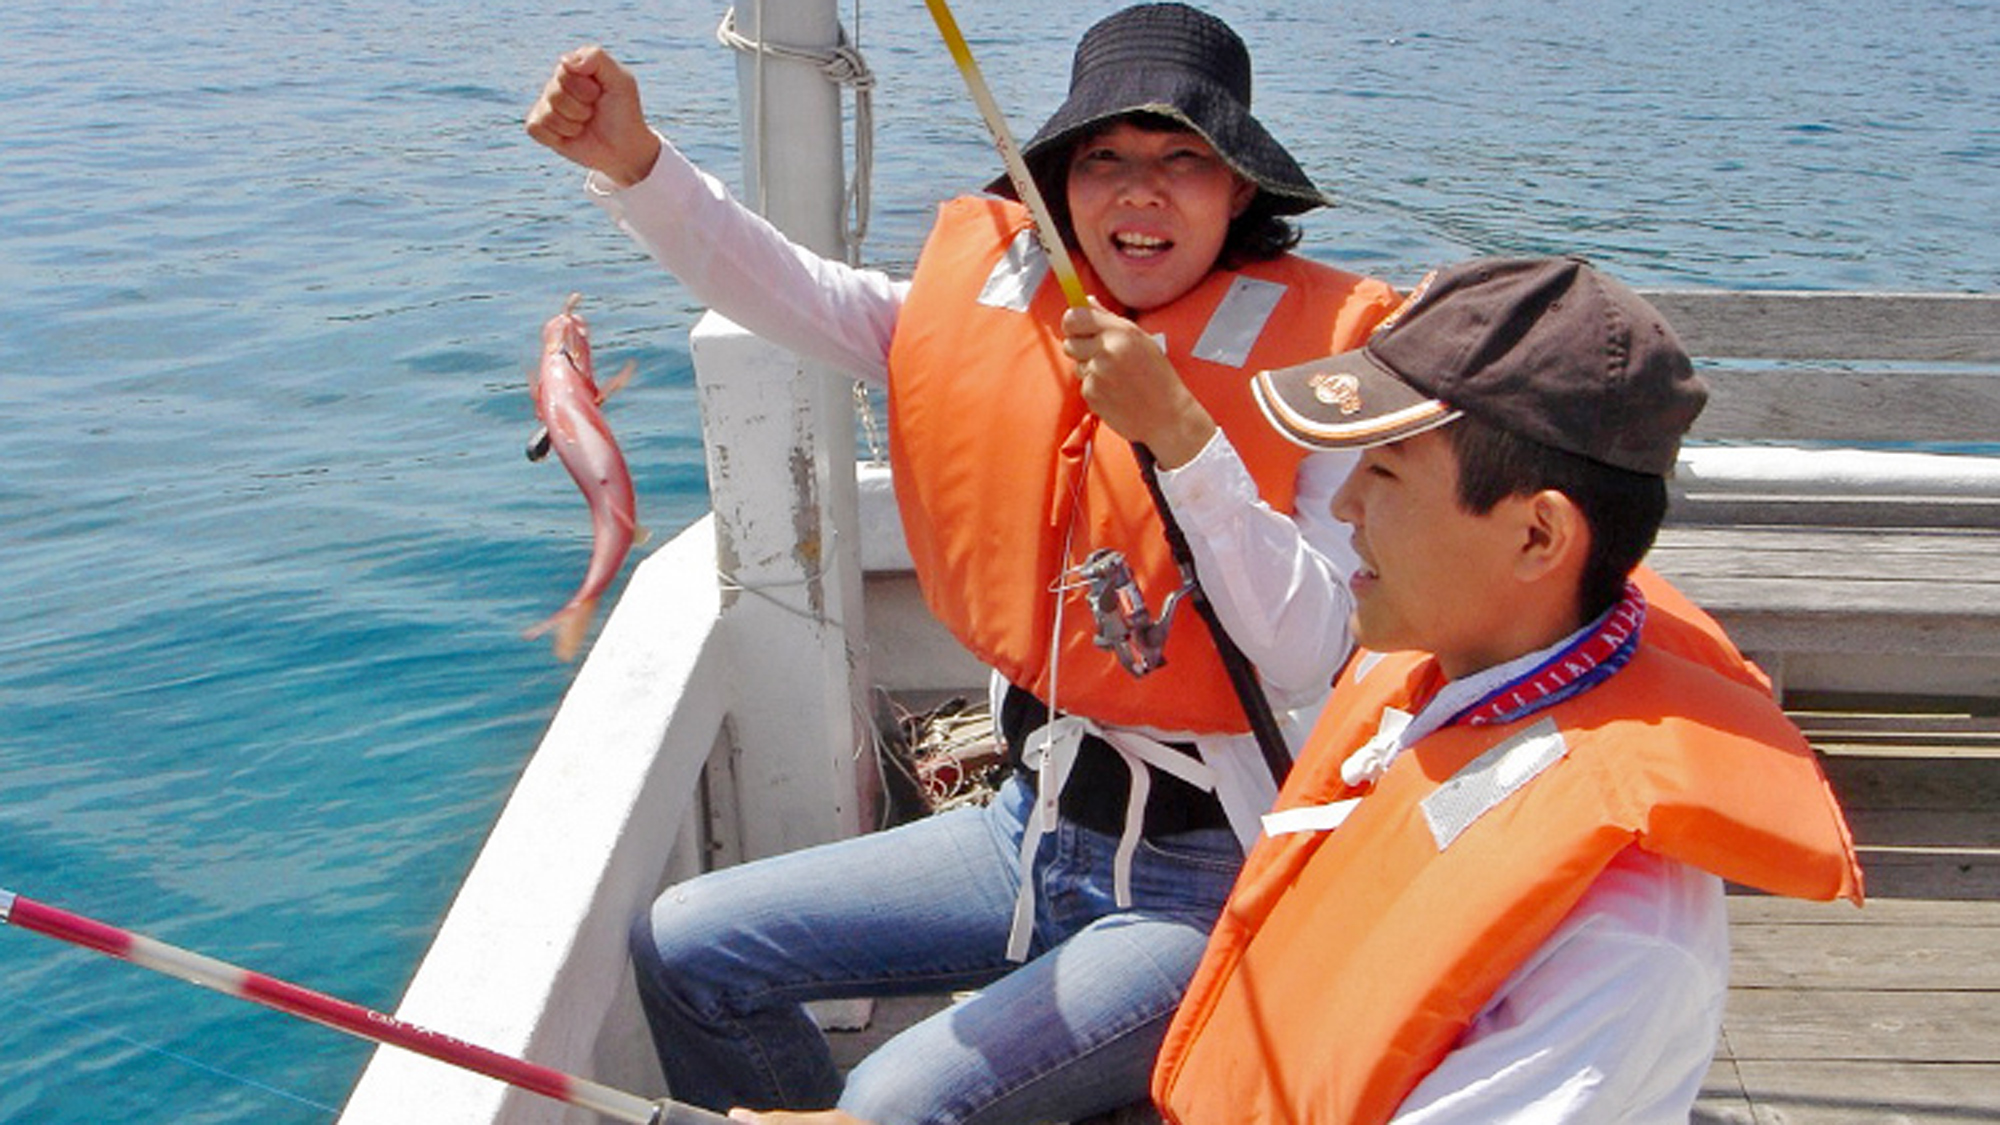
{"x":1889,"y":1013}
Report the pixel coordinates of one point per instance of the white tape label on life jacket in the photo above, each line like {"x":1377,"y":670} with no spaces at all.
{"x":1233,"y":330}
{"x":1017,"y":274}
{"x":1491,"y":778}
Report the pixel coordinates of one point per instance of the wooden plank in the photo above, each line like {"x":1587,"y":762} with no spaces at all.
{"x":1821,"y":1025}
{"x":1902,"y":556}
{"x":1848,"y":406}
{"x":1906,"y":958}
{"x":1849,"y":1092}
{"x":1914,"y":742}
{"x":1841,"y":589}
{"x":1926,"y":876}
{"x":1752,"y":584}
{"x":1738,"y":507}
{"x":1723,"y":1100}
{"x":1963,"y":729}
{"x":1761,"y":629}
{"x":1923,"y":785}
{"x":1956,"y":876}
{"x":1916,"y":327}
{"x":1954,"y":830}
{"x":1748,"y":908}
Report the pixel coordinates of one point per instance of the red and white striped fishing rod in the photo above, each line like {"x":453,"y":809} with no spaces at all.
{"x":27,"y":914}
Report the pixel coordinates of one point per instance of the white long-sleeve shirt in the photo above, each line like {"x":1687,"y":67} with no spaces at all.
{"x":1614,"y":1019}
{"x":1640,"y":968}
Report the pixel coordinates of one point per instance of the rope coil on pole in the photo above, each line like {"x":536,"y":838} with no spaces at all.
{"x":842,"y":65}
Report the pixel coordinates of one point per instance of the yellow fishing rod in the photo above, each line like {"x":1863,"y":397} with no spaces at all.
{"x":1010,"y":155}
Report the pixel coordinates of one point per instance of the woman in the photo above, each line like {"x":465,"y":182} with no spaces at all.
{"x":1078,"y":901}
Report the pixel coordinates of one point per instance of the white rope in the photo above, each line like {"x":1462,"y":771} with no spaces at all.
{"x":843,"y":65}
{"x":768,"y":592}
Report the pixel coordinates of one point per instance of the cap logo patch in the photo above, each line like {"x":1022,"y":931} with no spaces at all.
{"x":1342,"y":392}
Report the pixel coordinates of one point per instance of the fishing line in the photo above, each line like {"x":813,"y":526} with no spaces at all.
{"x":185,"y":1060}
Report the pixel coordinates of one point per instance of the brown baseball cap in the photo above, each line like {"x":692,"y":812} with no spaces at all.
{"x":1551,"y":349}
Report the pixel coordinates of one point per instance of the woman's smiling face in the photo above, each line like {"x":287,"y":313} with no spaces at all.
{"x":1151,"y":210}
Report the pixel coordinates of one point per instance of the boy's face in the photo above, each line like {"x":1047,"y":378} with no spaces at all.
{"x":1434,"y":577}
{"x":1151,"y":210}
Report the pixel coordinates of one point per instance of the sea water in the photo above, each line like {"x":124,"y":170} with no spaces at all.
{"x":272,"y":278}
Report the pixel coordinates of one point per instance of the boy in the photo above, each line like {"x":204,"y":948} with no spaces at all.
{"x":1493,"y":887}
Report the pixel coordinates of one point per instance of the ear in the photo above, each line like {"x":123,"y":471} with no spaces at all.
{"x":1555,"y":538}
{"x":1239,"y":202}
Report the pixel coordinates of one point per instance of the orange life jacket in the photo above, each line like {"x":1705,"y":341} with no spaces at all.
{"x":1348,"y":963}
{"x":996,"y":466}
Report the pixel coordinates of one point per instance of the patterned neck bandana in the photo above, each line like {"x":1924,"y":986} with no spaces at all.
{"x":1592,"y":657}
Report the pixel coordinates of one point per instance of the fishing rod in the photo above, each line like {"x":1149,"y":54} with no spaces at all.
{"x":341,"y":1015}
{"x":1242,"y":673}
{"x":1010,"y":155}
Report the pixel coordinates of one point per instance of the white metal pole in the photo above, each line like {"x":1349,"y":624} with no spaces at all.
{"x":792,"y":157}
{"x":781,"y":466}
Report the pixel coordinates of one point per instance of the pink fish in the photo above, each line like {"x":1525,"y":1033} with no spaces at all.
{"x":567,"y":400}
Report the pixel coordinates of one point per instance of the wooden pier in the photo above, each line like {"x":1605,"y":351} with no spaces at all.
{"x":1890,"y":1013}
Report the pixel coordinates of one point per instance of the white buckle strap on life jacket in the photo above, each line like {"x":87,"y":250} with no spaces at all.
{"x":1479,"y":786}
{"x":1140,"y":752}
{"x":1475,"y":790}
{"x":1309,"y":818}
{"x":1361,"y":768}
{"x":1051,"y":751}
{"x":1367,"y":765}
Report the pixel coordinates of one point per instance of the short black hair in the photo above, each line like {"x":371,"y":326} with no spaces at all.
{"x":1259,"y":234}
{"x":1623,"y":509}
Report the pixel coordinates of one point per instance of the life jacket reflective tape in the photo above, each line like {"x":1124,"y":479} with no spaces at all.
{"x":1348,"y":962}
{"x":1000,"y":481}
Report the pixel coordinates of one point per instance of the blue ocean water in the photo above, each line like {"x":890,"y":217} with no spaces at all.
{"x":272,"y":276}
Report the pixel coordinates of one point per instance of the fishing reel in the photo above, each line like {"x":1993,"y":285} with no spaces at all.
{"x":1125,"y":624}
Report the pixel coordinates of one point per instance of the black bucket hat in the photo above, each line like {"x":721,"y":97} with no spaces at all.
{"x":1178,"y":63}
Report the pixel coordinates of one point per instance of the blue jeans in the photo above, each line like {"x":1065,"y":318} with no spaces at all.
{"x":725,"y":961}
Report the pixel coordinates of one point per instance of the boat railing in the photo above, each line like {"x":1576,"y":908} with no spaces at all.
{"x":1838,"y":505}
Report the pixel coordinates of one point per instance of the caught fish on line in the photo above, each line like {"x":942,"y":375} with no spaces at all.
{"x":567,"y":400}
